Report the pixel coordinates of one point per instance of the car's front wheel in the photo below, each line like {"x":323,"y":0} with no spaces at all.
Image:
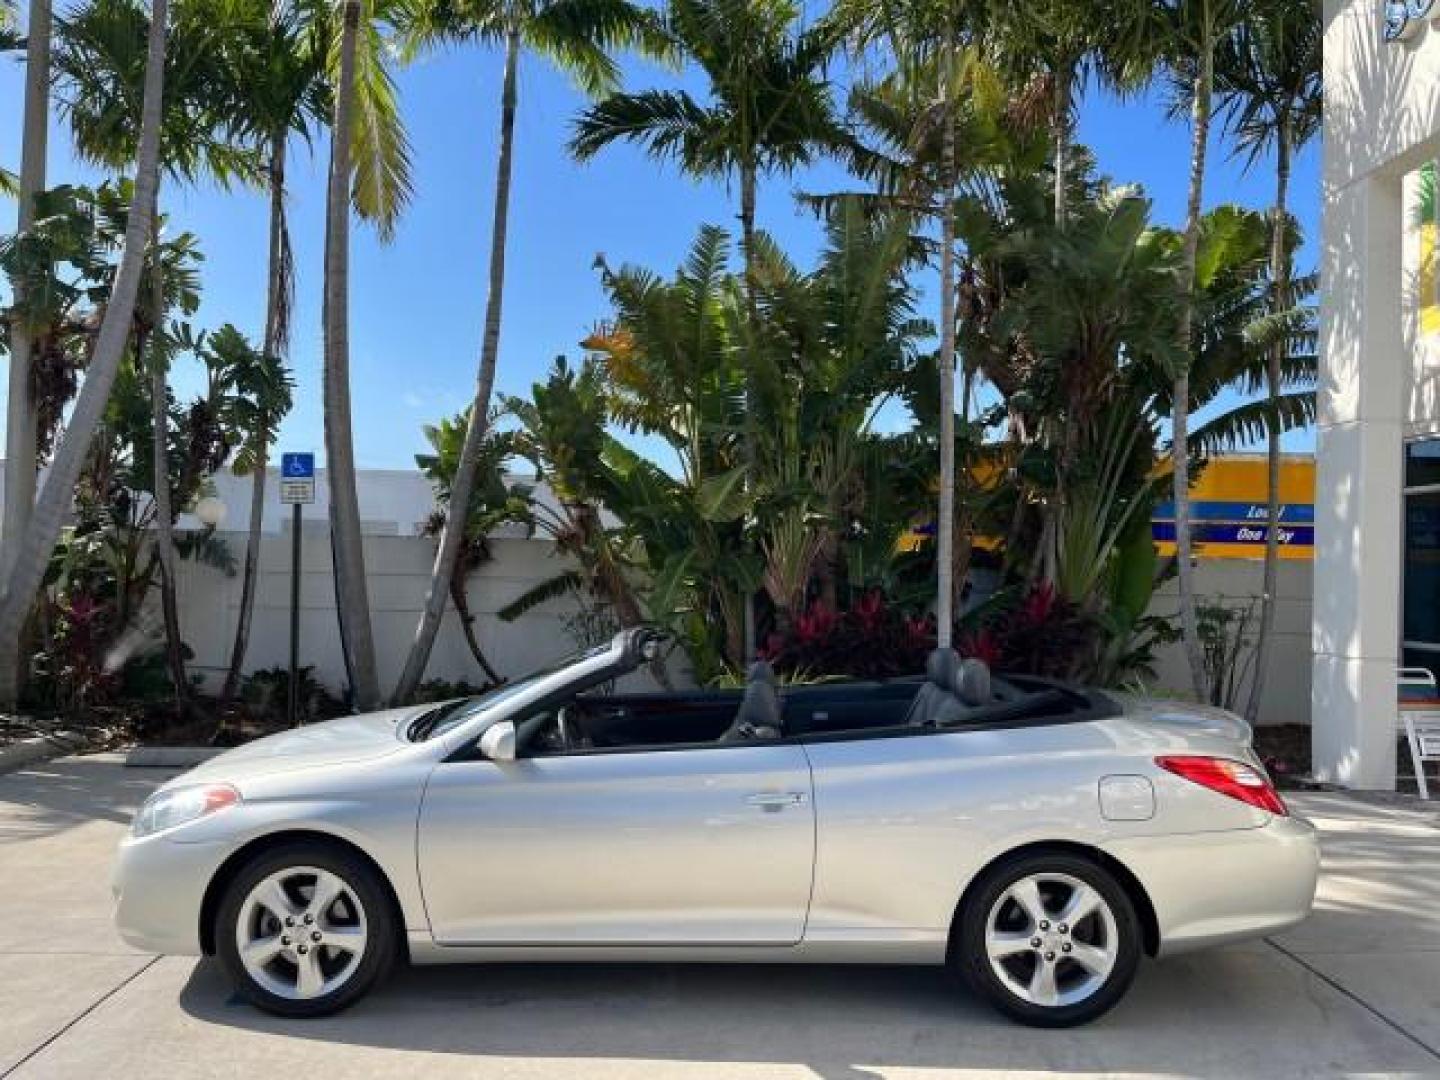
{"x":305,"y":930}
{"x":1050,"y":940}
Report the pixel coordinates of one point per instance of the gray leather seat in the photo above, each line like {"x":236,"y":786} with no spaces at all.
{"x":937,"y":703}
{"x":972,"y":683}
{"x":760,"y":712}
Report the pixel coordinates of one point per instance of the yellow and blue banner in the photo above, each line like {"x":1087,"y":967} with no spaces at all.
{"x":1229,"y":509}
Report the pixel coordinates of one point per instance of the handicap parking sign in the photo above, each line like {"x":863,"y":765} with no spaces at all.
{"x":297,"y":466}
{"x":297,"y":478}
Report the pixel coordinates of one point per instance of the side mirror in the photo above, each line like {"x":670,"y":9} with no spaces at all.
{"x":498,"y":742}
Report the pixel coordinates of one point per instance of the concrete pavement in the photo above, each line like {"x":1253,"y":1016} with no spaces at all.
{"x":1353,"y":992}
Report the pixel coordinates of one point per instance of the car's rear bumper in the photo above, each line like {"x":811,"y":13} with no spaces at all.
{"x":159,"y":885}
{"x":1210,"y":888}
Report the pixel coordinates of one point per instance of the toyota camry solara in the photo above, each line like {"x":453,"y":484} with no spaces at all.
{"x":1036,"y":838}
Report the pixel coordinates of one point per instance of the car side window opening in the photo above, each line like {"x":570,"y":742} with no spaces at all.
{"x":592,"y":722}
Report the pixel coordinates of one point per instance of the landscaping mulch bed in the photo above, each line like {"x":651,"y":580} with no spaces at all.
{"x":1285,"y":750}
{"x":113,"y":727}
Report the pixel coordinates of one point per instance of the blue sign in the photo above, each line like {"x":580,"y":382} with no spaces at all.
{"x":297,"y":466}
{"x":1236,"y":533}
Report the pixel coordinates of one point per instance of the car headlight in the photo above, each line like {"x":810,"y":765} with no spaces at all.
{"x":167,"y":809}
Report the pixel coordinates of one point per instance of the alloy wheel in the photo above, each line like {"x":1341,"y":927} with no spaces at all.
{"x":301,"y":932}
{"x":1051,"y":939}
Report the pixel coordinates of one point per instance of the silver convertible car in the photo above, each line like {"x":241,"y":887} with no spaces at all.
{"x":1037,"y":838}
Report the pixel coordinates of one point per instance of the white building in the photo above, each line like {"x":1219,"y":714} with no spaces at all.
{"x":1377,"y":559}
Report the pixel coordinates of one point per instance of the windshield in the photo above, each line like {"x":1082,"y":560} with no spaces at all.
{"x":452,"y":714}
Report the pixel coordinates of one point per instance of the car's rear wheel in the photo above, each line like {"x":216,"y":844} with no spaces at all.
{"x":305,"y":930}
{"x":1050,"y":940}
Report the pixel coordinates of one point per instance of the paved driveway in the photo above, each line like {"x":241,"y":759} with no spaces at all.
{"x":1355,"y":991}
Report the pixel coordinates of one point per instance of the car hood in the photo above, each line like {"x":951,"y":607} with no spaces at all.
{"x":333,"y":742}
{"x":1186,"y":717}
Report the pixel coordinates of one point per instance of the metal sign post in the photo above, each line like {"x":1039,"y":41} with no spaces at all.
{"x":297,"y":487}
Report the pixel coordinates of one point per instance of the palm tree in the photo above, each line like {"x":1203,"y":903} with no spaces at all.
{"x":938,"y":68}
{"x":279,"y":60}
{"x":1116,"y":41}
{"x":20,"y":420}
{"x":769,"y":110}
{"x":1268,"y":77}
{"x":369,"y":164}
{"x":577,"y":36}
{"x":39,"y":539}
{"x":262,"y":398}
{"x":1196,"y":30}
{"x":98,"y":66}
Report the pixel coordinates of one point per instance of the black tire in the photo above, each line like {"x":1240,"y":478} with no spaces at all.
{"x":381,"y":941}
{"x":973,"y":962}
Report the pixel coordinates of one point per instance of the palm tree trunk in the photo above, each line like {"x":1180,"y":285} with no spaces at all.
{"x":351,"y":592}
{"x":747,"y":242}
{"x":22,"y":420}
{"x":452,"y":535}
{"x":945,"y":520}
{"x":1060,"y":133}
{"x":467,"y":623}
{"x":1180,"y":410}
{"x":1280,"y":289}
{"x":21,"y":461}
{"x":39,"y":539}
{"x":160,"y":471}
{"x":276,"y":278}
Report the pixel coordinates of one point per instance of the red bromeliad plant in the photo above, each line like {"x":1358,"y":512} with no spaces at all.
{"x":1042,"y":634}
{"x":873,"y":639}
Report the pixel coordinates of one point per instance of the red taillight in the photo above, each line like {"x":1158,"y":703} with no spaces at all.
{"x":1232,"y":778}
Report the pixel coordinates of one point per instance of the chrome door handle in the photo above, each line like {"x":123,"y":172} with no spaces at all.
{"x":776,"y":800}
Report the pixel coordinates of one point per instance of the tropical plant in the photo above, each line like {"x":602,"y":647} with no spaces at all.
{"x":871,"y":639}
{"x":769,"y":111}
{"x":1036,"y":631}
{"x":1229,"y":649}
{"x":43,"y":531}
{"x":673,"y":370}
{"x":98,"y":65}
{"x":261,"y":398}
{"x":562,"y":434}
{"x":267,"y":693}
{"x":578,"y":36}
{"x":1268,"y":77}
{"x":493,"y":501}
{"x":1053,"y":48}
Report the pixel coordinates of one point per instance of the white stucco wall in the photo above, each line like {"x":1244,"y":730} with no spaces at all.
{"x":1237,"y":582}
{"x":1382,"y":119}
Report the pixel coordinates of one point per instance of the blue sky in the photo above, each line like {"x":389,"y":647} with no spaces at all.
{"x":417,"y":303}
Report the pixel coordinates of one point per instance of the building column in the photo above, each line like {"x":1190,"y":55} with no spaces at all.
{"x":1358,"y":491}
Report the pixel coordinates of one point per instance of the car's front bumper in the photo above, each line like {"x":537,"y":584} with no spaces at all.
{"x":1211,"y":888}
{"x":159,"y":886}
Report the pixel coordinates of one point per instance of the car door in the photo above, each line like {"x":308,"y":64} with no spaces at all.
{"x":711,"y":844}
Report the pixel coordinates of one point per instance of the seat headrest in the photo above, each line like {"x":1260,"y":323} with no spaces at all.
{"x":941,"y":666}
{"x":972,"y":682}
{"x":761,"y":671}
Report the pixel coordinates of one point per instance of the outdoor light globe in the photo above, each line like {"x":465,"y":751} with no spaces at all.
{"x":210,"y":511}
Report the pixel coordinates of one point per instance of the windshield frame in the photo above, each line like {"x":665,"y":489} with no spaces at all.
{"x":448,"y":717}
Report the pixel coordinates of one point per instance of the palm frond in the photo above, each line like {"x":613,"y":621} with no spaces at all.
{"x":563,"y":584}
{"x":1248,"y":424}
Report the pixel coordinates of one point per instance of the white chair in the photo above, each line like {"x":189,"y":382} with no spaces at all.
{"x":1419,"y":717}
